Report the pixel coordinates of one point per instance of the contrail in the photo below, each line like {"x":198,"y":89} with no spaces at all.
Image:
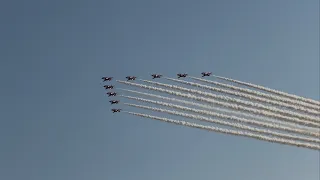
{"x":247,"y":96}
{"x":233,"y":106}
{"x":258,"y":93}
{"x":231,"y":132}
{"x":236,"y":125}
{"x":307,"y":100}
{"x":241,"y":120}
{"x":241,"y":102}
{"x":240,"y":113}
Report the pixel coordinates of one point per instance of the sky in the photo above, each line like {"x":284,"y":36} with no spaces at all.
{"x":55,"y":120}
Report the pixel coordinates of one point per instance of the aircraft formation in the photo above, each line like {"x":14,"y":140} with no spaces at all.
{"x":132,"y":78}
{"x":111,"y":93}
{"x":242,"y":103}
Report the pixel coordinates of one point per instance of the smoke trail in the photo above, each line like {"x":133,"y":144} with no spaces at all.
{"x":236,"y":125}
{"x":258,"y":93}
{"x":228,"y":105}
{"x":240,"y":113}
{"x":201,"y":105}
{"x":241,"y":120}
{"x":307,"y":100}
{"x":231,"y":132}
{"x":229,"y":99}
{"x":247,"y":96}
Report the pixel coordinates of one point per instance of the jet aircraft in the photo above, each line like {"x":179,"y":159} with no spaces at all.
{"x":106,"y":78}
{"x":206,"y":74}
{"x":115,"y":110}
{"x":156,"y":76}
{"x":112,"y":93}
{"x":114,"y":101}
{"x":131,"y":78}
{"x":182,"y":75}
{"x":108,"y":86}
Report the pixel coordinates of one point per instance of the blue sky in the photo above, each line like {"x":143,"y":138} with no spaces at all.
{"x":55,"y":121}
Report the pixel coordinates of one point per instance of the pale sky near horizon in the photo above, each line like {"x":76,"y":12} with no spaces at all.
{"x":55,"y":120}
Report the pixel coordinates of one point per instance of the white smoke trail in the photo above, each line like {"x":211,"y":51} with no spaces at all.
{"x":202,"y":105}
{"x":230,"y":132}
{"x":307,"y":100}
{"x":241,"y":120}
{"x":235,"y":125}
{"x":310,"y":111}
{"x":240,"y":113}
{"x":228,"y":105}
{"x":258,"y":93}
{"x":238,"y":101}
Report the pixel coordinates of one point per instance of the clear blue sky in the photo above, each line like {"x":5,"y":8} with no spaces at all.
{"x":55,"y":121}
